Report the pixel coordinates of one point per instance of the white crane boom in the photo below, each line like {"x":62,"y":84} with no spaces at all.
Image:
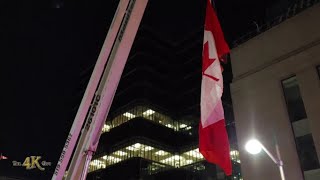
{"x":100,"y":91}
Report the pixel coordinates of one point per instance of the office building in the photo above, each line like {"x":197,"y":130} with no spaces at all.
{"x":276,"y":95}
{"x":152,"y":128}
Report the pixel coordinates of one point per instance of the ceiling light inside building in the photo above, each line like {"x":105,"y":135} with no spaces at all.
{"x":148,"y":112}
{"x":148,"y":148}
{"x":137,"y":145}
{"x":106,"y":128}
{"x":129,"y":115}
{"x":130,"y":148}
{"x":172,"y":158}
{"x":176,"y":157}
{"x":120,"y":153}
{"x":189,"y":161}
{"x":96,"y":163}
{"x":183,"y":125}
{"x":113,"y":159}
{"x":194,"y":153}
{"x":161,"y":153}
{"x":234,"y":153}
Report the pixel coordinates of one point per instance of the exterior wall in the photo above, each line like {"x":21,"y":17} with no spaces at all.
{"x":259,"y":66}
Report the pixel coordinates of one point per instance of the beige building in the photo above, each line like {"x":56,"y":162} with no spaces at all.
{"x":276,"y":91}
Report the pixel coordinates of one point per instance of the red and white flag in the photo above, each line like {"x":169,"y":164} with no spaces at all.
{"x":213,"y":137}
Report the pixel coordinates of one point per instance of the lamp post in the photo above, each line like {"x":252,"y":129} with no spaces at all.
{"x":253,"y":146}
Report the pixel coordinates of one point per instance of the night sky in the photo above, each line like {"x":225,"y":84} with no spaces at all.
{"x":48,"y":46}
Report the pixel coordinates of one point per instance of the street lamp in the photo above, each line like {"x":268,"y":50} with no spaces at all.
{"x":254,"y":146}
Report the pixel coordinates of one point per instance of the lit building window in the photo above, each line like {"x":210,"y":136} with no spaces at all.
{"x":148,"y":112}
{"x":161,"y":153}
{"x":183,"y":125}
{"x":135,"y":147}
{"x":161,"y":159}
{"x":234,"y":154}
{"x":106,"y":128}
{"x":129,"y":115}
{"x":120,"y":153}
{"x":194,"y":153}
{"x":148,"y":148}
{"x":143,"y":112}
{"x":189,"y":161}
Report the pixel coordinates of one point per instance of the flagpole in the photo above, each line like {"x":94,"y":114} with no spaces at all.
{"x":280,"y":162}
{"x":213,"y":4}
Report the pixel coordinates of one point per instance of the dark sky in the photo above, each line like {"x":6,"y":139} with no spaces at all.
{"x":45,"y":47}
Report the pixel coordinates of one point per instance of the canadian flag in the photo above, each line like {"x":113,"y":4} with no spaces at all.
{"x":213,"y":137}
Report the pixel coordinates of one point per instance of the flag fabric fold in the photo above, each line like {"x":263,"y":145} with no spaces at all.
{"x":213,"y":137}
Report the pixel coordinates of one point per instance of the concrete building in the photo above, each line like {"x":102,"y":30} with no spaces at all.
{"x":276,"y":91}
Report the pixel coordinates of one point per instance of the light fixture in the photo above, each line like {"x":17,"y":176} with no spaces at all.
{"x":161,"y":153}
{"x":130,"y":148}
{"x":134,"y":147}
{"x":189,"y":161}
{"x":176,"y":157}
{"x":137,"y":145}
{"x":129,"y":115}
{"x":120,"y":153}
{"x":106,"y":128}
{"x":111,"y":158}
{"x":183,"y":125}
{"x":148,"y":148}
{"x":148,"y":112}
{"x":253,"y":146}
{"x":234,"y":152}
{"x":194,"y":153}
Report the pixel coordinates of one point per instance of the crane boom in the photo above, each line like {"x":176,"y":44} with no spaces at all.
{"x":100,"y":91}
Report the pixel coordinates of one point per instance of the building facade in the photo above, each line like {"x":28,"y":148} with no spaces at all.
{"x":152,"y":129}
{"x":276,"y":93}
{"x":141,"y":141}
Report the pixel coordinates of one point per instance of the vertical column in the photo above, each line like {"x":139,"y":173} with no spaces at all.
{"x":310,"y":91}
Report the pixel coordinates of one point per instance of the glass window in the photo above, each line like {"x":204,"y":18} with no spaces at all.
{"x":142,"y":112}
{"x":307,"y":151}
{"x":300,"y":126}
{"x":293,"y":98}
{"x":158,"y":157}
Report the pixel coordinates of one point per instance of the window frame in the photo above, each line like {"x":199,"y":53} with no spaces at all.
{"x":288,"y":117}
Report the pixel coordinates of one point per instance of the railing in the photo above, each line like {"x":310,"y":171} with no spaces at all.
{"x":293,"y":10}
